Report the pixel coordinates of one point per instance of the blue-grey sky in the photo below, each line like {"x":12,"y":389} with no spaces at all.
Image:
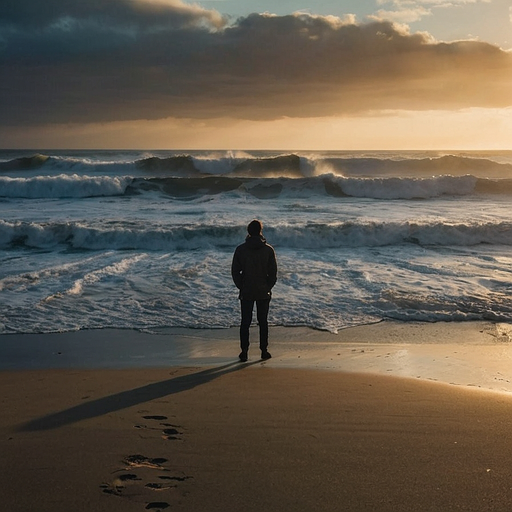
{"x":238,"y":74}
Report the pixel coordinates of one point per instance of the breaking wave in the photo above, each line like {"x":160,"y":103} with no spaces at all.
{"x":116,"y":235}
{"x":252,"y":166}
{"x":77,"y":186}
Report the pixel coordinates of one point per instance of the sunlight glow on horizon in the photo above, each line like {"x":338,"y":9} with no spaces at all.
{"x":468,"y":129}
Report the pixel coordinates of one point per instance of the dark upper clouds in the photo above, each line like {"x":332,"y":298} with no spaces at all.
{"x":34,"y":14}
{"x":103,"y":60}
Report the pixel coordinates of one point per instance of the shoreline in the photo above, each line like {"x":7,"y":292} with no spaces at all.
{"x":476,"y":354}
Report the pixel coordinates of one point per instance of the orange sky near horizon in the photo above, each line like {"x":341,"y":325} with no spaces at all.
{"x":472,"y":129}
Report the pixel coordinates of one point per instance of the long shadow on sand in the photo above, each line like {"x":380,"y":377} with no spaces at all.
{"x":131,"y":397}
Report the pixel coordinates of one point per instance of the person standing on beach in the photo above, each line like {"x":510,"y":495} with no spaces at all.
{"x":254,"y":272}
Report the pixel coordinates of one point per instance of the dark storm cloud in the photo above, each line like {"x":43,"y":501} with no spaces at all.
{"x":105,"y":60}
{"x":33,"y":14}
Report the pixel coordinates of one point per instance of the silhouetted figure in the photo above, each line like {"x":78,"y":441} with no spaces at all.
{"x":254,"y":272}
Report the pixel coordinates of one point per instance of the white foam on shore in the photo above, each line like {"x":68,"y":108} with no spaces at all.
{"x":470,"y":354}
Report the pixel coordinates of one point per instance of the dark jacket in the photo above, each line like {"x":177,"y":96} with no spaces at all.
{"x":254,"y":269}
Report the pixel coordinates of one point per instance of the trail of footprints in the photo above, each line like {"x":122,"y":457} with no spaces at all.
{"x":143,"y":477}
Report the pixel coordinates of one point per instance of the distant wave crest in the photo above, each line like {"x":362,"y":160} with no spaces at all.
{"x":63,"y":186}
{"x":289,"y":165}
{"x":289,"y":175}
{"x":24,"y":163}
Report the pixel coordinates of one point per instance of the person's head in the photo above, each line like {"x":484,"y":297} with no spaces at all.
{"x":255,"y":228}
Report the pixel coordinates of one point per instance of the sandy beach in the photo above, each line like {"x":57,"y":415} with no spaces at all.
{"x":386,"y":417}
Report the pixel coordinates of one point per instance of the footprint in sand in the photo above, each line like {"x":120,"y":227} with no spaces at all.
{"x":144,"y":479}
{"x":176,"y":478}
{"x":128,"y":476}
{"x":145,"y":473}
{"x":171,"y":433}
{"x":140,"y":461}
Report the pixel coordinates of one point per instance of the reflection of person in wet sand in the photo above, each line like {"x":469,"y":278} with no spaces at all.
{"x":254,"y":272}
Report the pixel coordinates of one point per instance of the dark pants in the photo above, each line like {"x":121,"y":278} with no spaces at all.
{"x":262,"y":316}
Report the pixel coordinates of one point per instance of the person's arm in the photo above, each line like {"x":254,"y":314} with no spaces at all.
{"x":236,"y":270}
{"x":272,"y":270}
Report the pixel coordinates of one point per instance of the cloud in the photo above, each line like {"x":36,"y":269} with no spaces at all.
{"x":406,"y":4}
{"x":96,"y":61}
{"x":402,"y":15}
{"x":32,"y":14}
{"x":410,"y":11}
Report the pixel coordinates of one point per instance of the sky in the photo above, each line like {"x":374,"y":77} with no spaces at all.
{"x":255,"y":74}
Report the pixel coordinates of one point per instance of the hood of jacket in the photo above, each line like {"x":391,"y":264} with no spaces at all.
{"x":255,"y":242}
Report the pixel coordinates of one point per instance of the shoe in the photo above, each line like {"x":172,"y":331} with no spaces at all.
{"x":243,"y":356}
{"x":265,"y":354}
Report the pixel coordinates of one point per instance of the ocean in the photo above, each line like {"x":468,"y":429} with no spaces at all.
{"x":144,"y":239}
